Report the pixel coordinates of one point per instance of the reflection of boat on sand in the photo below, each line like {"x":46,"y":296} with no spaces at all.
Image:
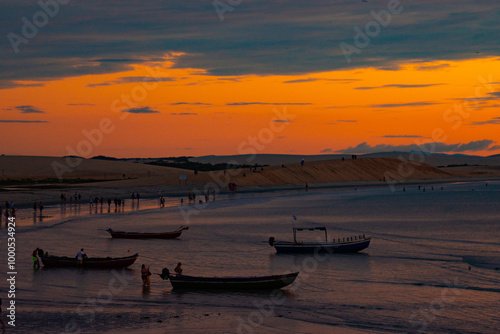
{"x":89,"y":262}
{"x":146,"y":235}
{"x":351,"y":244}
{"x":184,"y":282}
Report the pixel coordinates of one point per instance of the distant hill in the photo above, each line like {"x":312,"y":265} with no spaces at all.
{"x":434,"y":159}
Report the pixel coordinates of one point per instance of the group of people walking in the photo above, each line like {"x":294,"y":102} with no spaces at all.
{"x":10,"y":210}
{"x":39,"y":206}
{"x":135,"y":196}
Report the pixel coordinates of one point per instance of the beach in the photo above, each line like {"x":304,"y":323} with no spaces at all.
{"x":426,"y":244}
{"x":29,"y":179}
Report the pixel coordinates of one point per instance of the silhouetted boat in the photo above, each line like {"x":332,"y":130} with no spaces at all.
{"x":184,"y":282}
{"x":89,"y":262}
{"x":351,"y":244}
{"x":147,"y":235}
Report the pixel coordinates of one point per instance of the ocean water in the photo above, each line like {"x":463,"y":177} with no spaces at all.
{"x":433,"y":265}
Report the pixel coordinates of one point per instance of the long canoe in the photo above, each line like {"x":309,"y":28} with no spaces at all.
{"x":90,"y":262}
{"x":147,"y":235}
{"x":184,"y":282}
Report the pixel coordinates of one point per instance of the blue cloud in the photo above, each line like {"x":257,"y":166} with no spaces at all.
{"x":494,"y":148}
{"x":143,"y":110}
{"x":434,"y":147}
{"x":190,"y":103}
{"x":125,"y":80}
{"x":495,"y":120}
{"x":29,"y":110}
{"x":320,"y":79}
{"x":432,"y":67}
{"x":397,"y":105}
{"x":399,"y":86}
{"x":402,"y":136}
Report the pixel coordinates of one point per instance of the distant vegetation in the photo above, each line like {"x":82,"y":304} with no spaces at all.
{"x":179,"y":162}
{"x":102,"y":157}
{"x":198,"y":165}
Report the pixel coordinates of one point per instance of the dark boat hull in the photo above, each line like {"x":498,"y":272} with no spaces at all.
{"x":232,"y":283}
{"x":139,"y":235}
{"x":339,"y":247}
{"x":146,"y":235}
{"x":99,"y":263}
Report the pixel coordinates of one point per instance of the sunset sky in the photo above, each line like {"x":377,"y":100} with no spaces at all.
{"x":174,"y":78}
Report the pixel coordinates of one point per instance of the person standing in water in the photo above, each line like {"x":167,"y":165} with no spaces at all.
{"x":40,"y":206}
{"x":145,"y":273}
{"x":178,"y":269}
{"x":80,"y":256}
{"x":36,"y":260}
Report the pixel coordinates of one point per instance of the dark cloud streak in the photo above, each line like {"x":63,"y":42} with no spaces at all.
{"x":495,"y":120}
{"x":143,"y":110}
{"x":28,"y":109}
{"x":398,"y":105}
{"x":399,"y":86}
{"x":20,"y":121}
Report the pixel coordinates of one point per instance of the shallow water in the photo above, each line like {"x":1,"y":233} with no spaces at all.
{"x":433,"y":265}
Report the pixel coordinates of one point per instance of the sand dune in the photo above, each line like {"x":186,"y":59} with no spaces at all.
{"x":120,"y":173}
{"x":37,"y":179}
{"x":37,"y":168}
{"x":367,"y":169}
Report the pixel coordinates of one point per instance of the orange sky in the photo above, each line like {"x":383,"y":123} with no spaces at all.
{"x":326,"y":112}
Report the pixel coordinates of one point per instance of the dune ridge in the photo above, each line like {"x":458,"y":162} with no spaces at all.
{"x":28,"y":179}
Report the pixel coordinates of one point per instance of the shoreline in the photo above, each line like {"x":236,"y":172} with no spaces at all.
{"x":120,"y":179}
{"x":51,"y":196}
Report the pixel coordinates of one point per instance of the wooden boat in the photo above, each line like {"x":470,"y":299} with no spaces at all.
{"x":145,"y":235}
{"x":89,"y":262}
{"x":184,"y":282}
{"x":350,"y":244}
